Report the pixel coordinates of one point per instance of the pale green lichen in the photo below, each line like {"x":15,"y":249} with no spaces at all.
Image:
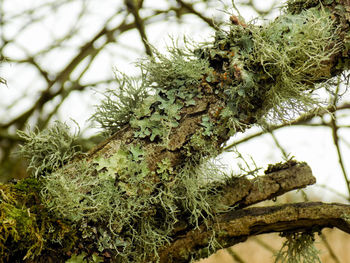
{"x":299,"y":247}
{"x":116,"y":201}
{"x":152,"y":105}
{"x":294,"y":51}
{"x":179,"y":70}
{"x":119,"y":104}
{"x":134,"y":215}
{"x":49,"y":149}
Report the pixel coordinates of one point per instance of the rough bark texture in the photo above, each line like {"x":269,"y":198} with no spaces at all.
{"x":236,"y":226}
{"x":230,"y":97}
{"x":243,"y":192}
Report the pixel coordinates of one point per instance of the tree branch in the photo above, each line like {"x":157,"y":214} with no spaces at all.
{"x":236,"y":226}
{"x":126,"y":196}
{"x":242,"y":192}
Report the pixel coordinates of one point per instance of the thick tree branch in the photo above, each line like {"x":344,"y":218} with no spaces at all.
{"x":236,"y":226}
{"x":242,"y":192}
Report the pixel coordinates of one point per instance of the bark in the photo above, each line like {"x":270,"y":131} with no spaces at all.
{"x":178,"y":148}
{"x":236,"y":226}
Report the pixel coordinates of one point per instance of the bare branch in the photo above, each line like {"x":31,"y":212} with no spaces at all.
{"x":242,"y":192}
{"x":236,"y":226}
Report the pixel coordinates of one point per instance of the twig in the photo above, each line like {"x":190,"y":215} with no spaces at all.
{"x":302,"y":120}
{"x":329,"y":248}
{"x":335,"y":128}
{"x":234,"y":255}
{"x":139,"y":23}
{"x":264,"y":245}
{"x":279,"y":146}
{"x":190,"y":8}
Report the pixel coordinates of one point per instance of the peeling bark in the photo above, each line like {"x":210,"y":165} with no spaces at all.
{"x":236,"y":226}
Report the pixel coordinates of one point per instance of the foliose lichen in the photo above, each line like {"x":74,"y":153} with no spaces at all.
{"x":125,"y":207}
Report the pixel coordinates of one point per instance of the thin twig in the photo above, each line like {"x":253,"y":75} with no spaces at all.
{"x":302,"y":120}
{"x":335,"y":128}
{"x":139,"y":23}
{"x":264,"y":245}
{"x":234,"y":255}
{"x":190,"y":8}
{"x":329,"y":248}
{"x":280,"y":147}
{"x":326,"y":187}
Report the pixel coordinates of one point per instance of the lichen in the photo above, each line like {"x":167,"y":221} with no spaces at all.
{"x":119,"y":103}
{"x":294,"y":51}
{"x":132,"y":215}
{"x":49,"y":149}
{"x":298,"y":247}
{"x":126,"y":201}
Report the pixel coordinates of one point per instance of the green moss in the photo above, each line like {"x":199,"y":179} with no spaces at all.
{"x":296,"y":6}
{"x":26,"y":229}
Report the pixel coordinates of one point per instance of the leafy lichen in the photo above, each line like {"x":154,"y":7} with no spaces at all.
{"x":131,"y":214}
{"x":129,"y":200}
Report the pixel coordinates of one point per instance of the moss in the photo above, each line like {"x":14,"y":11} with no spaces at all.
{"x":280,"y":166}
{"x":26,"y":228}
{"x":297,"y":6}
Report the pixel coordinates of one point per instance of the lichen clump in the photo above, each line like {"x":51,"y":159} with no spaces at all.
{"x":126,"y":205}
{"x":49,"y":149}
{"x":298,"y":247}
{"x":115,"y":203}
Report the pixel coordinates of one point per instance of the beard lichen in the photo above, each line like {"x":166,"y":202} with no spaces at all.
{"x":49,"y":149}
{"x":186,"y":105}
{"x":115,"y":202}
{"x":272,"y":69}
{"x":298,"y":247}
{"x":294,"y":52}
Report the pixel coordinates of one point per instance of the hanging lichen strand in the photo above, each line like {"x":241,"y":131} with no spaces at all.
{"x":128,"y":195}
